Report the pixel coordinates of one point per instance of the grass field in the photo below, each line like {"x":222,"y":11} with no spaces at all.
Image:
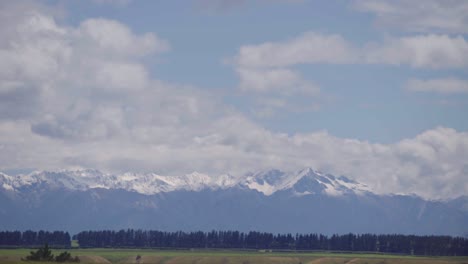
{"x":230,"y":257}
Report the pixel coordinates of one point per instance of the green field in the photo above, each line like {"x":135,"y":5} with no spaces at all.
{"x":230,"y":256}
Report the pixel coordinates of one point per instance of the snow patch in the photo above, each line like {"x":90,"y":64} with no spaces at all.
{"x":7,"y":187}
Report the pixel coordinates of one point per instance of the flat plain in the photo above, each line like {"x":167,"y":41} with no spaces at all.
{"x":120,"y":256}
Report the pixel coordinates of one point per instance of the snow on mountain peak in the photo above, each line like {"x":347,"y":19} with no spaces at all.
{"x":303,"y":182}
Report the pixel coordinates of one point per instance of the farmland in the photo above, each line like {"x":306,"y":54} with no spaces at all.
{"x":230,"y":256}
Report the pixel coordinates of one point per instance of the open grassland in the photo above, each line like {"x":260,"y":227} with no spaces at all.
{"x":13,"y":256}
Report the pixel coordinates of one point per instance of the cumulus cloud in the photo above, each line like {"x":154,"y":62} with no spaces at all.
{"x":432,"y":16}
{"x":284,"y":81}
{"x":115,"y":39}
{"x":443,"y":86}
{"x":263,"y":69}
{"x":421,"y":51}
{"x":269,"y":67}
{"x":309,"y":47}
{"x":428,"y":164}
{"x":278,"y":89}
{"x":69,"y":82}
{"x":72,"y":96}
{"x":432,"y":164}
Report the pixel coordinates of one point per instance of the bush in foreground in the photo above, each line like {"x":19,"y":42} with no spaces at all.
{"x":66,"y":257}
{"x":45,"y":254}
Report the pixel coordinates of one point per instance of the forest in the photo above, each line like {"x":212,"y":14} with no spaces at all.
{"x":130,"y":238}
{"x":402,"y":244}
{"x":32,"y":238}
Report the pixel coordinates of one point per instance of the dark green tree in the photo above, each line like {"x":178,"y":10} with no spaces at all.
{"x":66,"y":257}
{"x":42,"y":254}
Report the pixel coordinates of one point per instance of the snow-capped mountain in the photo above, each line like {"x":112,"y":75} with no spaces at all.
{"x":275,"y":201}
{"x":303,"y":182}
{"x":81,"y":180}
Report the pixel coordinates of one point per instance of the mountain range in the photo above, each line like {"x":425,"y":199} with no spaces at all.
{"x":305,"y":201}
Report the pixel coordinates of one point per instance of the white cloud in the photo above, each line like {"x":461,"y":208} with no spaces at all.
{"x":114,"y":38}
{"x":68,"y":99}
{"x":261,"y":69}
{"x":444,"y":86}
{"x":267,"y":67}
{"x":431,"y":16}
{"x":284,"y":81}
{"x":121,"y":76}
{"x":422,"y":51}
{"x":62,"y":78}
{"x":433,"y":164}
{"x":309,"y":47}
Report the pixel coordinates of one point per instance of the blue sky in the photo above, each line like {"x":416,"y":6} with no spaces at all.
{"x":367,"y":102}
{"x":376,"y":90}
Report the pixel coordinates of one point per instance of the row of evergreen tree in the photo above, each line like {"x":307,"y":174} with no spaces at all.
{"x":32,"y":238}
{"x":402,"y":244}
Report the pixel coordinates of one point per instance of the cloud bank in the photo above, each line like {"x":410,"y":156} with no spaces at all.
{"x":432,"y":16}
{"x":82,"y":97}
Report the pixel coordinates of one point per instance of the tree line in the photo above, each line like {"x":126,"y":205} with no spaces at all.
{"x":399,"y":244}
{"x":32,"y":238}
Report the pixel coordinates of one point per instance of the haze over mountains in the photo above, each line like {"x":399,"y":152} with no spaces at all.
{"x":304,"y":201}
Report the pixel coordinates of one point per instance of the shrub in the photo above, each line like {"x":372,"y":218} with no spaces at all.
{"x":42,"y":254}
{"x":45,"y":254}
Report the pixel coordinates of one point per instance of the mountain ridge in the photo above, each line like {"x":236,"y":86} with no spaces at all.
{"x":303,"y":182}
{"x":304,"y":201}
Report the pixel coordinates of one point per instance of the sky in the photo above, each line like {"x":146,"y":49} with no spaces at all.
{"x":374,"y":90}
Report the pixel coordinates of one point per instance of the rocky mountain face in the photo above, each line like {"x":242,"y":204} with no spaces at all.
{"x":305,"y":201}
